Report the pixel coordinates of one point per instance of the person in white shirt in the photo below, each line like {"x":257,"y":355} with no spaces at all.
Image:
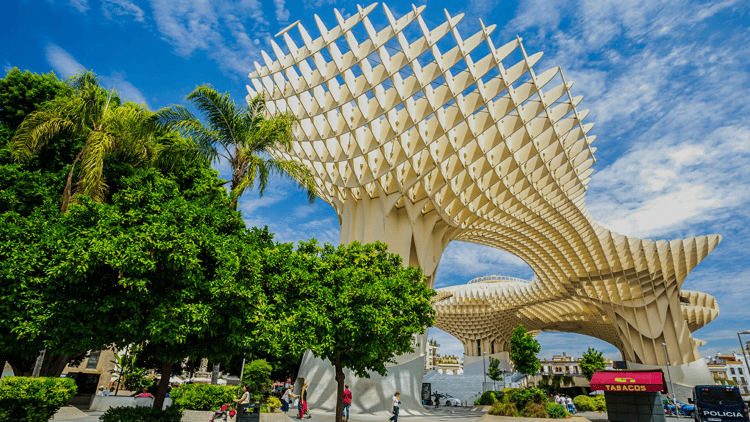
{"x":394,"y":407}
{"x":285,"y":399}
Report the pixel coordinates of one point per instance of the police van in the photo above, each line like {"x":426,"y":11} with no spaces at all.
{"x":718,"y":403}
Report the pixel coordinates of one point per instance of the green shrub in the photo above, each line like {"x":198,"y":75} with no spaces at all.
{"x":504,"y":408}
{"x":273,"y":402}
{"x":601,"y":403}
{"x":557,"y":411}
{"x":534,"y":410}
{"x":34,"y":399}
{"x":521,"y":396}
{"x":141,"y":414}
{"x":486,"y":399}
{"x":202,"y":396}
{"x":584,"y":403}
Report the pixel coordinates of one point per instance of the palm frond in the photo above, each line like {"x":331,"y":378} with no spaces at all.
{"x":224,"y":117}
{"x":175,"y":152}
{"x":35,"y":131}
{"x":183,"y":121}
{"x":91,"y":179}
{"x":296,"y":171}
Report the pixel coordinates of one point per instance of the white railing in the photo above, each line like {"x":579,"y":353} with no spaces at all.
{"x":498,"y":278}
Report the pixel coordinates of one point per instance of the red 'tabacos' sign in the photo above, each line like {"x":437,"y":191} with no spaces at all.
{"x":635,"y":381}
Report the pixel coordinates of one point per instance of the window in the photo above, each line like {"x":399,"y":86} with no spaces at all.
{"x":739,"y":371}
{"x":731,"y":370}
{"x":93,"y":359}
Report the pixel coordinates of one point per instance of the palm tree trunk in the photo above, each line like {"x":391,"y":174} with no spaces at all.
{"x":69,"y":184}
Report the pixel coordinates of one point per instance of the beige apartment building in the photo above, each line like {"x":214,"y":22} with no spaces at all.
{"x":730,"y":367}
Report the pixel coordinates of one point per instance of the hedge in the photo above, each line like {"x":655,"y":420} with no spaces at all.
{"x":586,"y":403}
{"x":34,"y":399}
{"x":521,"y":402}
{"x":202,"y":396}
{"x":141,"y":414}
{"x":557,"y":411}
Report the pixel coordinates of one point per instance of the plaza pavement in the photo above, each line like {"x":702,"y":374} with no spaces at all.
{"x":447,"y":414}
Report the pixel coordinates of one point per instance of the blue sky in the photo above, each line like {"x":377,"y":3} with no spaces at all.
{"x":666,"y":82}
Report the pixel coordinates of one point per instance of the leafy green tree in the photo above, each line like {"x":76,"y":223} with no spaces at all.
{"x":177,"y":267}
{"x":22,"y":93}
{"x":243,"y":136}
{"x":494,"y":371}
{"x":354,"y":305}
{"x":108,"y":127}
{"x":592,"y":361}
{"x":523,"y":350}
{"x":257,"y":378}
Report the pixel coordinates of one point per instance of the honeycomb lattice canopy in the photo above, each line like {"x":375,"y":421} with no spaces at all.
{"x":418,"y":136}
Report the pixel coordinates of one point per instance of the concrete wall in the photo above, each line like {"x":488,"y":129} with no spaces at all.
{"x":102,"y":403}
{"x":684,"y":377}
{"x":369,"y":395}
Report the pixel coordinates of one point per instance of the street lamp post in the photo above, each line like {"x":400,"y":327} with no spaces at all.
{"x":747,"y":364}
{"x":674,"y":395}
{"x":484,"y":365}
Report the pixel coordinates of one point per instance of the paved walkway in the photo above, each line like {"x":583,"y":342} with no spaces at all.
{"x":448,"y":414}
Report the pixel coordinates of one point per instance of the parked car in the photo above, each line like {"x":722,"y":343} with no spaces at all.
{"x":451,"y":401}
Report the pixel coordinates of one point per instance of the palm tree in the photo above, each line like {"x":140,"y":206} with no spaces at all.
{"x":108,"y":127}
{"x":243,"y":136}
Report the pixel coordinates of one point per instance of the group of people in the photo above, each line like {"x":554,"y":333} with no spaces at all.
{"x":565,"y":401}
{"x":300,"y":400}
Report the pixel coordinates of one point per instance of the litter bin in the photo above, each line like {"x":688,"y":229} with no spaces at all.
{"x":249,"y":412}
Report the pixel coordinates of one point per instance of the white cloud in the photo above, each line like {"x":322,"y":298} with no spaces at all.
{"x":282,"y":14}
{"x":122,"y":8}
{"x":220,"y":29}
{"x":80,"y":5}
{"x":6,"y":65}
{"x":125,"y":88}
{"x":61,"y":61}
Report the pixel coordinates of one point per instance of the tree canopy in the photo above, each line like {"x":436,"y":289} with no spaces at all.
{"x":354,"y":305}
{"x":592,"y":361}
{"x":523,"y":350}
{"x":22,"y":93}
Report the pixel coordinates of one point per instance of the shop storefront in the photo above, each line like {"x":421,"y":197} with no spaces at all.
{"x":632,"y":396}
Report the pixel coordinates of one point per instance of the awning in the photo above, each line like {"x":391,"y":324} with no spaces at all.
{"x":635,"y":381}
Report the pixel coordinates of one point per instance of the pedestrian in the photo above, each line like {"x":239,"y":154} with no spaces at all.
{"x":394,"y":406}
{"x":285,"y":399}
{"x":302,"y":406}
{"x":245,"y":399}
{"x":571,"y":406}
{"x":347,"y":403}
{"x":100,"y":391}
{"x":437,"y":399}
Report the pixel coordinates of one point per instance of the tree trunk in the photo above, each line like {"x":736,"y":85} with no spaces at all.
{"x":339,"y":389}
{"x":67,"y":193}
{"x":161,"y":393}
